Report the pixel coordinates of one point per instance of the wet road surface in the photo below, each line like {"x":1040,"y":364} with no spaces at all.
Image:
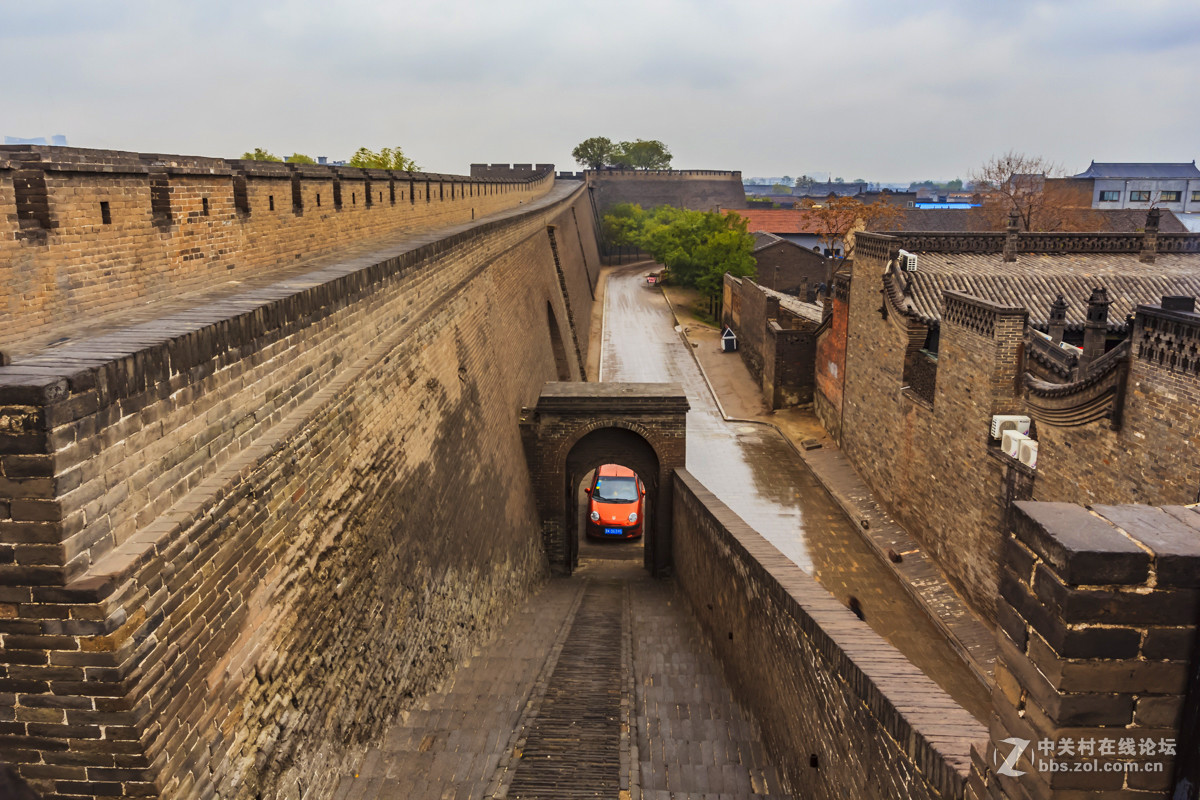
{"x":754,"y":470}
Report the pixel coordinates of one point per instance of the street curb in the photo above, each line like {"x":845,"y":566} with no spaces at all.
{"x":716,"y":398}
{"x":852,"y":514}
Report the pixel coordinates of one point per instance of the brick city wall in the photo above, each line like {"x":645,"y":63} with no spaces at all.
{"x":92,"y":234}
{"x":700,"y":190}
{"x":1097,"y":638}
{"x":844,"y":715}
{"x":510,"y":171}
{"x":240,"y":549}
{"x":830,"y":361}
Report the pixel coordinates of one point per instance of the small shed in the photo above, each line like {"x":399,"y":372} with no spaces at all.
{"x":728,"y":340}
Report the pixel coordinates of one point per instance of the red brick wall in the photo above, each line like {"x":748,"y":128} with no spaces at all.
{"x":830,"y":364}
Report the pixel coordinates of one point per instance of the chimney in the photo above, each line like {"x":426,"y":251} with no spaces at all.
{"x":1095,"y":330}
{"x":1175,"y":302}
{"x":1150,"y":237}
{"x":1010,"y":239}
{"x":1058,"y":319}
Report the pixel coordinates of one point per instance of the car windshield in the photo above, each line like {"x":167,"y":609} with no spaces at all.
{"x":615,"y":490}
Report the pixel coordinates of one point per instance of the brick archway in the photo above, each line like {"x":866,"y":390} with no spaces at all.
{"x":575,"y":428}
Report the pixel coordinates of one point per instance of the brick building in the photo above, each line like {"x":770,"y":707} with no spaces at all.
{"x":1082,"y":333}
{"x":776,"y":338}
{"x":789,"y":268}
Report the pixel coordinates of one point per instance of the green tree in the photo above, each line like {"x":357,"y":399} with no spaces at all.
{"x":642,"y":154}
{"x":300,"y":158}
{"x":260,"y":154}
{"x":781,"y":188}
{"x":624,"y":223}
{"x":697,"y":247}
{"x":387,"y":158}
{"x":594,"y":153}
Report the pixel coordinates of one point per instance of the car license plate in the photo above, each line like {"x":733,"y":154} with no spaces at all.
{"x":613,"y":531}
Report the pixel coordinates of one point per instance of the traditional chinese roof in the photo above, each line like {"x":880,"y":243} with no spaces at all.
{"x":1136,"y":169}
{"x":956,"y":220}
{"x":1034,"y":280}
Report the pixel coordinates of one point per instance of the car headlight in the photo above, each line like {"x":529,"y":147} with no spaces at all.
{"x":595,"y":516}
{"x":633,"y":516}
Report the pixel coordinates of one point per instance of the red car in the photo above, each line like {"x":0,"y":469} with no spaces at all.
{"x":615,"y":505}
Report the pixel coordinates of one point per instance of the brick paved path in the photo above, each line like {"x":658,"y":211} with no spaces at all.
{"x":599,"y":686}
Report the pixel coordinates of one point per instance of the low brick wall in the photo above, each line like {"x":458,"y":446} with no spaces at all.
{"x":844,"y":714}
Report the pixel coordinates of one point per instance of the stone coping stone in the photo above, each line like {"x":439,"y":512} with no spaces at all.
{"x":1173,"y":534}
{"x":1081,"y":546}
{"x":580,"y":396}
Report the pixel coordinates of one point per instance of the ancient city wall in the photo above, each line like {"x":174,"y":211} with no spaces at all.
{"x":700,"y":190}
{"x":238,"y":539}
{"x":92,"y":234}
{"x":846,"y":716}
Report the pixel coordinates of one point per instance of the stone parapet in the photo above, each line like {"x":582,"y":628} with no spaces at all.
{"x":845,"y":715}
{"x":1097,"y":632}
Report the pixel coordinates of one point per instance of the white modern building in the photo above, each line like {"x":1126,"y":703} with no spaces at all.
{"x":1175,"y":187}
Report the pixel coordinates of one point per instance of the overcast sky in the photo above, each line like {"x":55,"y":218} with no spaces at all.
{"x":878,"y":89}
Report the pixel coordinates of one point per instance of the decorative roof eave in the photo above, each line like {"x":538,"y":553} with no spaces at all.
{"x":1095,"y":397}
{"x":896,"y":291}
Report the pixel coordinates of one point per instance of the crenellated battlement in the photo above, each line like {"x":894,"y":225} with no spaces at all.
{"x":87,"y":235}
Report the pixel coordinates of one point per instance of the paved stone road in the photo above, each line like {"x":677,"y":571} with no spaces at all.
{"x":659,"y":721}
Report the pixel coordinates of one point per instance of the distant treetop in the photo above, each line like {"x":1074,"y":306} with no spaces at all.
{"x":387,"y":158}
{"x":599,"y":152}
{"x":260,"y":154}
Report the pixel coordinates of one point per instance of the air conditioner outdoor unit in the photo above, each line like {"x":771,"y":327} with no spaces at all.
{"x":1009,"y":422}
{"x":1012,"y":442}
{"x":908,"y":261}
{"x":1027,"y":453}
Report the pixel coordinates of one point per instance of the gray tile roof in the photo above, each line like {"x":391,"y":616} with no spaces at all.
{"x":1140,"y":170}
{"x":1034,"y":280}
{"x":961,"y":220}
